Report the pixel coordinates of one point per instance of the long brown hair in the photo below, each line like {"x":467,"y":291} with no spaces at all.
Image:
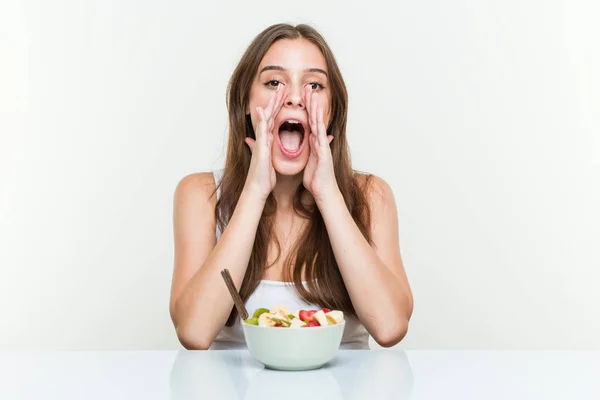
{"x":312,"y":253}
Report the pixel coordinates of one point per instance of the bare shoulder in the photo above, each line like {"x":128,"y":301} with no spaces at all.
{"x":378,"y":191}
{"x":194,"y":204}
{"x":198,"y":188}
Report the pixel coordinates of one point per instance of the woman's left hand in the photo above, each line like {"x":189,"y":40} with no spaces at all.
{"x":319,"y":176}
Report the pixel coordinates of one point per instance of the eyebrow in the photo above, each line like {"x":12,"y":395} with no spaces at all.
{"x":279,"y":68}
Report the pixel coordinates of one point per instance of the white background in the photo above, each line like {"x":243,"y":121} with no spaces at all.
{"x":482,"y":115}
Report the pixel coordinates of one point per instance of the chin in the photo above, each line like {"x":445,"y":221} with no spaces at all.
{"x":287,"y":167}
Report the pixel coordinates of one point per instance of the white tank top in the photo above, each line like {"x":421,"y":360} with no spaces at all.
{"x":273,"y":293}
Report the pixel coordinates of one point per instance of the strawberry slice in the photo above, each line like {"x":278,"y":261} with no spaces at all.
{"x":303,"y":315}
{"x":311,"y":313}
{"x":312,"y":324}
{"x":325,"y":310}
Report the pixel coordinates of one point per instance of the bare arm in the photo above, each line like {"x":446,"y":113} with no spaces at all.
{"x":374,"y":276}
{"x":200,"y":303}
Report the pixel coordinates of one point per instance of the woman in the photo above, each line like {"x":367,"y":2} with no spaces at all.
{"x":289,"y":218}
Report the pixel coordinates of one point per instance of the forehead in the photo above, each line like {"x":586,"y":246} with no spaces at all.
{"x":294,"y":54}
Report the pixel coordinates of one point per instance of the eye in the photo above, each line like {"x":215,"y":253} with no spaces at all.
{"x":273,"y":83}
{"x":316,"y":86}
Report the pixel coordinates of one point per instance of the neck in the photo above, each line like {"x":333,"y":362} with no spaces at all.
{"x":284,"y":190}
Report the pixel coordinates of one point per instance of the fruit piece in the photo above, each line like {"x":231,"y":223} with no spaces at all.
{"x":330,"y":319}
{"x":297,"y":323}
{"x":296,"y":314}
{"x":319,"y":316}
{"x":325,"y":310}
{"x":303,"y":315}
{"x":266,"y":319}
{"x":280,"y":310}
{"x":251,"y":321}
{"x":281,"y":322}
{"x":311,"y":313}
{"x":338,"y":316}
{"x":279,"y":317}
{"x":259,"y":312}
{"x":312,"y":324}
{"x":291,"y":316}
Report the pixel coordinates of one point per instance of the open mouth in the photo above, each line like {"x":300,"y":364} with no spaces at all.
{"x":291,"y":135}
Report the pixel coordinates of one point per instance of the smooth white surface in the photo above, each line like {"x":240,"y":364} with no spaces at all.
{"x":482,"y":116}
{"x":355,"y":374}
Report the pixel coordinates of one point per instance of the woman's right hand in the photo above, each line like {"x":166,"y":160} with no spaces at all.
{"x":261,"y":175}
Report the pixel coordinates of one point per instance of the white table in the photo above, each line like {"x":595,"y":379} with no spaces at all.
{"x":365,"y":375}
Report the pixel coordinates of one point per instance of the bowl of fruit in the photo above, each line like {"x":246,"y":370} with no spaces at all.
{"x":294,"y":341}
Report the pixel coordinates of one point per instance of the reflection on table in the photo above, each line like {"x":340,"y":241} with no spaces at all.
{"x":354,"y":374}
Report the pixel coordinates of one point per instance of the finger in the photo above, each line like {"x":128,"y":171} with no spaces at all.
{"x":262,"y":122}
{"x":279,"y":96}
{"x":303,"y":95}
{"x":250,"y":142}
{"x":269,"y":108}
{"x":313,"y":113}
{"x":273,"y":101}
{"x":279,"y":102}
{"x":314,"y":143}
{"x":270,"y":126}
{"x":308,"y":99}
{"x":315,"y":116}
{"x":270,"y":139}
{"x":321,"y":124}
{"x":261,"y":114}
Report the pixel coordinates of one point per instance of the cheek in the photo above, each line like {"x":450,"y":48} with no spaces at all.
{"x":253,"y":102}
{"x":257,"y":99}
{"x":259,"y":96}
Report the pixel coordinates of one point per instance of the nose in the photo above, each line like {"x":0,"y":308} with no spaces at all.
{"x":294,"y":97}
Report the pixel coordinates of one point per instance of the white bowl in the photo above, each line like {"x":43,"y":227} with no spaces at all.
{"x":293,"y":349}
